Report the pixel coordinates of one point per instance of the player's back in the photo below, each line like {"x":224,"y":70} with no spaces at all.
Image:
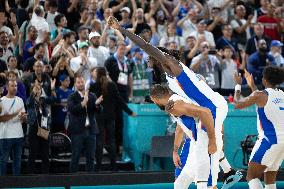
{"x":198,"y":90}
{"x":272,"y":115}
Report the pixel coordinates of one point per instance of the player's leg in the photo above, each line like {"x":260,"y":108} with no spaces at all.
{"x":186,"y":176}
{"x":202,"y":160}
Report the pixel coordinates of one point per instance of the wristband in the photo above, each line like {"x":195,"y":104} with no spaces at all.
{"x":238,"y":87}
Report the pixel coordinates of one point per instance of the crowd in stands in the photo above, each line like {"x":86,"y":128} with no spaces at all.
{"x":67,"y":71}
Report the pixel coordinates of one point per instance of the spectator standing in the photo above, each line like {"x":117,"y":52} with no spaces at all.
{"x":39,"y":56}
{"x":107,"y":90}
{"x":96,"y":51}
{"x":275,"y":51}
{"x":62,"y":67}
{"x":188,"y":23}
{"x":60,"y":30}
{"x":51,"y":13}
{"x":82,"y":128}
{"x":229,"y":67}
{"x":39,"y":22}
{"x":258,"y":60}
{"x":11,"y":131}
{"x":207,"y":65}
{"x":201,"y":30}
{"x":120,"y":72}
{"x":38,"y":117}
{"x":214,"y":25}
{"x":227,"y":39}
{"x":271,"y":24}
{"x":241,"y":27}
{"x":66,"y":46}
{"x":171,"y":37}
{"x":251,"y":46}
{"x":29,"y":45}
{"x":59,"y":109}
{"x":7,"y":47}
{"x":82,"y":64}
{"x":140,"y":77}
{"x":83,"y":34}
{"x":12,"y":64}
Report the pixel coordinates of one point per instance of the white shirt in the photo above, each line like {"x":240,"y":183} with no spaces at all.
{"x":50,"y":20}
{"x":208,"y":36}
{"x":177,"y":39}
{"x":219,"y":3}
{"x":41,"y":25}
{"x":100,"y":54}
{"x":9,"y":51}
{"x":187,"y":28}
{"x":229,"y":69}
{"x":75,"y":64}
{"x":13,"y":127}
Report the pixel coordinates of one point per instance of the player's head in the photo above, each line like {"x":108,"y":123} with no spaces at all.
{"x":272,"y":76}
{"x":160,"y":95}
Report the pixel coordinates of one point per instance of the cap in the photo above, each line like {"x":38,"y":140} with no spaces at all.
{"x":83,"y":44}
{"x":125,"y":9}
{"x":202,"y":21}
{"x":62,"y":77}
{"x":94,"y":34}
{"x":276,"y":43}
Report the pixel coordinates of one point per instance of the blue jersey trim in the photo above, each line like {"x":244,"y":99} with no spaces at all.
{"x":259,"y":154}
{"x":267,"y":126}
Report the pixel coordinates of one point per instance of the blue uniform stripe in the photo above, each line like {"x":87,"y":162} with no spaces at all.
{"x":264,"y":146}
{"x":189,"y":122}
{"x":209,"y":183}
{"x":183,"y":156}
{"x":281,"y":108}
{"x":267,"y":126}
{"x":194,"y":93}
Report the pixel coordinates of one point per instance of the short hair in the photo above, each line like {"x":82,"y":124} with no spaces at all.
{"x":227,"y":47}
{"x":12,"y":72}
{"x":30,"y":28}
{"x":69,"y":34}
{"x":225,"y":25}
{"x":77,"y":76}
{"x":12,"y":56}
{"x":38,"y":10}
{"x":274,"y":75}
{"x":52,"y":3}
{"x":159,"y":91}
{"x":57,"y":19}
{"x":175,"y":53}
{"x":39,"y":45}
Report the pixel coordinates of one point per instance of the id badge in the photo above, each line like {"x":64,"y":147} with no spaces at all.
{"x":122,"y":78}
{"x":87,"y":121}
{"x":44,"y":122}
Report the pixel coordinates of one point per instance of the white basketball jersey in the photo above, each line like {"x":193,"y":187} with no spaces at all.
{"x":271,"y":116}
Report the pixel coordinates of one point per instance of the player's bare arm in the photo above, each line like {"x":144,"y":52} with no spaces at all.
{"x":179,"y":108}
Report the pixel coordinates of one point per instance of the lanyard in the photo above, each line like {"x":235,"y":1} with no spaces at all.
{"x":121,"y":66}
{"x":12,"y":104}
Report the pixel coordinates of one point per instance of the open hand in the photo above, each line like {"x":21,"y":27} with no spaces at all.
{"x":249,"y":79}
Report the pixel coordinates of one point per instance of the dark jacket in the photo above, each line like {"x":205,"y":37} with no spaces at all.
{"x":78,"y":114}
{"x":46,"y":84}
{"x":111,"y":101}
{"x":34,"y":116}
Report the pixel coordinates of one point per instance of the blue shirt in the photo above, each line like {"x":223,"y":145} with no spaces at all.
{"x":59,"y":112}
{"x":26,"y":54}
{"x":257,"y":63}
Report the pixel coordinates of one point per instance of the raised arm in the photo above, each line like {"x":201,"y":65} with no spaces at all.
{"x":148,"y":48}
{"x":257,"y":97}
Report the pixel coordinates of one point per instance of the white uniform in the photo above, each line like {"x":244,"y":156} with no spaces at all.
{"x":190,"y":86}
{"x":197,"y":166}
{"x":269,"y":148}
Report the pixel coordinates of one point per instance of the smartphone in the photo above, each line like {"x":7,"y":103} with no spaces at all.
{"x":242,"y":72}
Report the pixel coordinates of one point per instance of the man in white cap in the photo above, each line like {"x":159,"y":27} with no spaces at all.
{"x":97,"y":51}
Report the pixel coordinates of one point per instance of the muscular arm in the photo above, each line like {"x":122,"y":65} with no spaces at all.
{"x":257,"y":97}
{"x":204,"y":114}
{"x":178,"y":138}
{"x":148,"y":48}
